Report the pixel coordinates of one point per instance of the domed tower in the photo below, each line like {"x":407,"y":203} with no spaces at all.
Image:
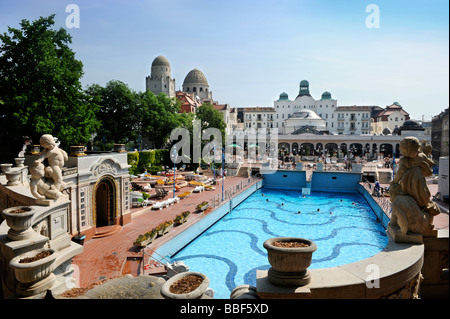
{"x":304,"y":88}
{"x":195,"y":83}
{"x":160,"y":77}
{"x":326,"y":95}
{"x":283,"y":97}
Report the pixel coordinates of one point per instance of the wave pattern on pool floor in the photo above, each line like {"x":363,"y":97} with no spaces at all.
{"x":342,"y":224}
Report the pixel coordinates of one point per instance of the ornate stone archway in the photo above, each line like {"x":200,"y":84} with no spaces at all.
{"x":105,"y":202}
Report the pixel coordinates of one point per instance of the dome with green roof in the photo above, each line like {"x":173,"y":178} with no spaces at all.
{"x":283,"y":97}
{"x":304,"y":88}
{"x":326,"y":95}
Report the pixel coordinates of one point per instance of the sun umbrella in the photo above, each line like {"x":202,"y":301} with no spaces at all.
{"x":233,"y":145}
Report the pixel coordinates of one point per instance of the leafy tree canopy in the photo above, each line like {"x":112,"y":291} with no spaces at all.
{"x":40,"y":86}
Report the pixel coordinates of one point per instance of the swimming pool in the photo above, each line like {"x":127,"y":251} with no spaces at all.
{"x":342,"y":225}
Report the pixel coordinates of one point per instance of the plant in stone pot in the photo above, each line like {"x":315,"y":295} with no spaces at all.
{"x":181,"y":218}
{"x":19,"y":218}
{"x":202,"y":206}
{"x":289,"y":257}
{"x":34,"y":271}
{"x":185,"y":285}
{"x":145,"y":239}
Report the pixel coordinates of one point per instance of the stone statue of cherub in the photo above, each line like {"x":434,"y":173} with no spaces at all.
{"x":52,"y":187}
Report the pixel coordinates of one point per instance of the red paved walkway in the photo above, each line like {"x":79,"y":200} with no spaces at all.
{"x":105,"y":257}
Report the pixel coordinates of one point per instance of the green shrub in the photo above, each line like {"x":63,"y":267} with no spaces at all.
{"x":133,"y":160}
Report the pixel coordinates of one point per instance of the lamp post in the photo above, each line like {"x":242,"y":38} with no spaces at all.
{"x":214,"y":161}
{"x":223,"y":169}
{"x":174,"y":167}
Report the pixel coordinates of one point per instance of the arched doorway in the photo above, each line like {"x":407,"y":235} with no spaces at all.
{"x":105,"y":202}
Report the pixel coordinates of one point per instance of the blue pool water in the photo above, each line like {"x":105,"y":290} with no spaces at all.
{"x":231,"y":251}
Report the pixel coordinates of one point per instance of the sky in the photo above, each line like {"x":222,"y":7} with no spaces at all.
{"x":252,"y":50}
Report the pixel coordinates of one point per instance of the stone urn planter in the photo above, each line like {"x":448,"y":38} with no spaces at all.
{"x":289,"y":257}
{"x":20,"y":161}
{"x":13,"y":177}
{"x":19,"y":220}
{"x":6,"y":167}
{"x":185,"y":285}
{"x":34,"y":271}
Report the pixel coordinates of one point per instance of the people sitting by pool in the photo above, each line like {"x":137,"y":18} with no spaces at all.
{"x":377,"y":188}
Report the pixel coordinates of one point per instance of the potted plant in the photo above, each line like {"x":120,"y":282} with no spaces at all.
{"x":202,"y":206}
{"x":34,"y":271}
{"x":182,"y":218}
{"x":145,"y":239}
{"x":289,"y":257}
{"x":18,"y":218}
{"x":168,"y":226}
{"x":160,"y":229}
{"x":185,"y":285}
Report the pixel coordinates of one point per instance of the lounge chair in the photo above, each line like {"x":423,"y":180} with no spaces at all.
{"x":161,"y":192}
{"x":184,"y":195}
{"x":159,"y":205}
{"x":135,"y":202}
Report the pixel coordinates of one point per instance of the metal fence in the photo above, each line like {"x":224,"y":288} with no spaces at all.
{"x":230,"y":192}
{"x":382,"y":201}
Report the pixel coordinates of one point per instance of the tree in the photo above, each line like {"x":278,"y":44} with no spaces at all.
{"x":160,"y":117}
{"x":210,"y":117}
{"x":40,"y":86}
{"x":120,"y":113}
